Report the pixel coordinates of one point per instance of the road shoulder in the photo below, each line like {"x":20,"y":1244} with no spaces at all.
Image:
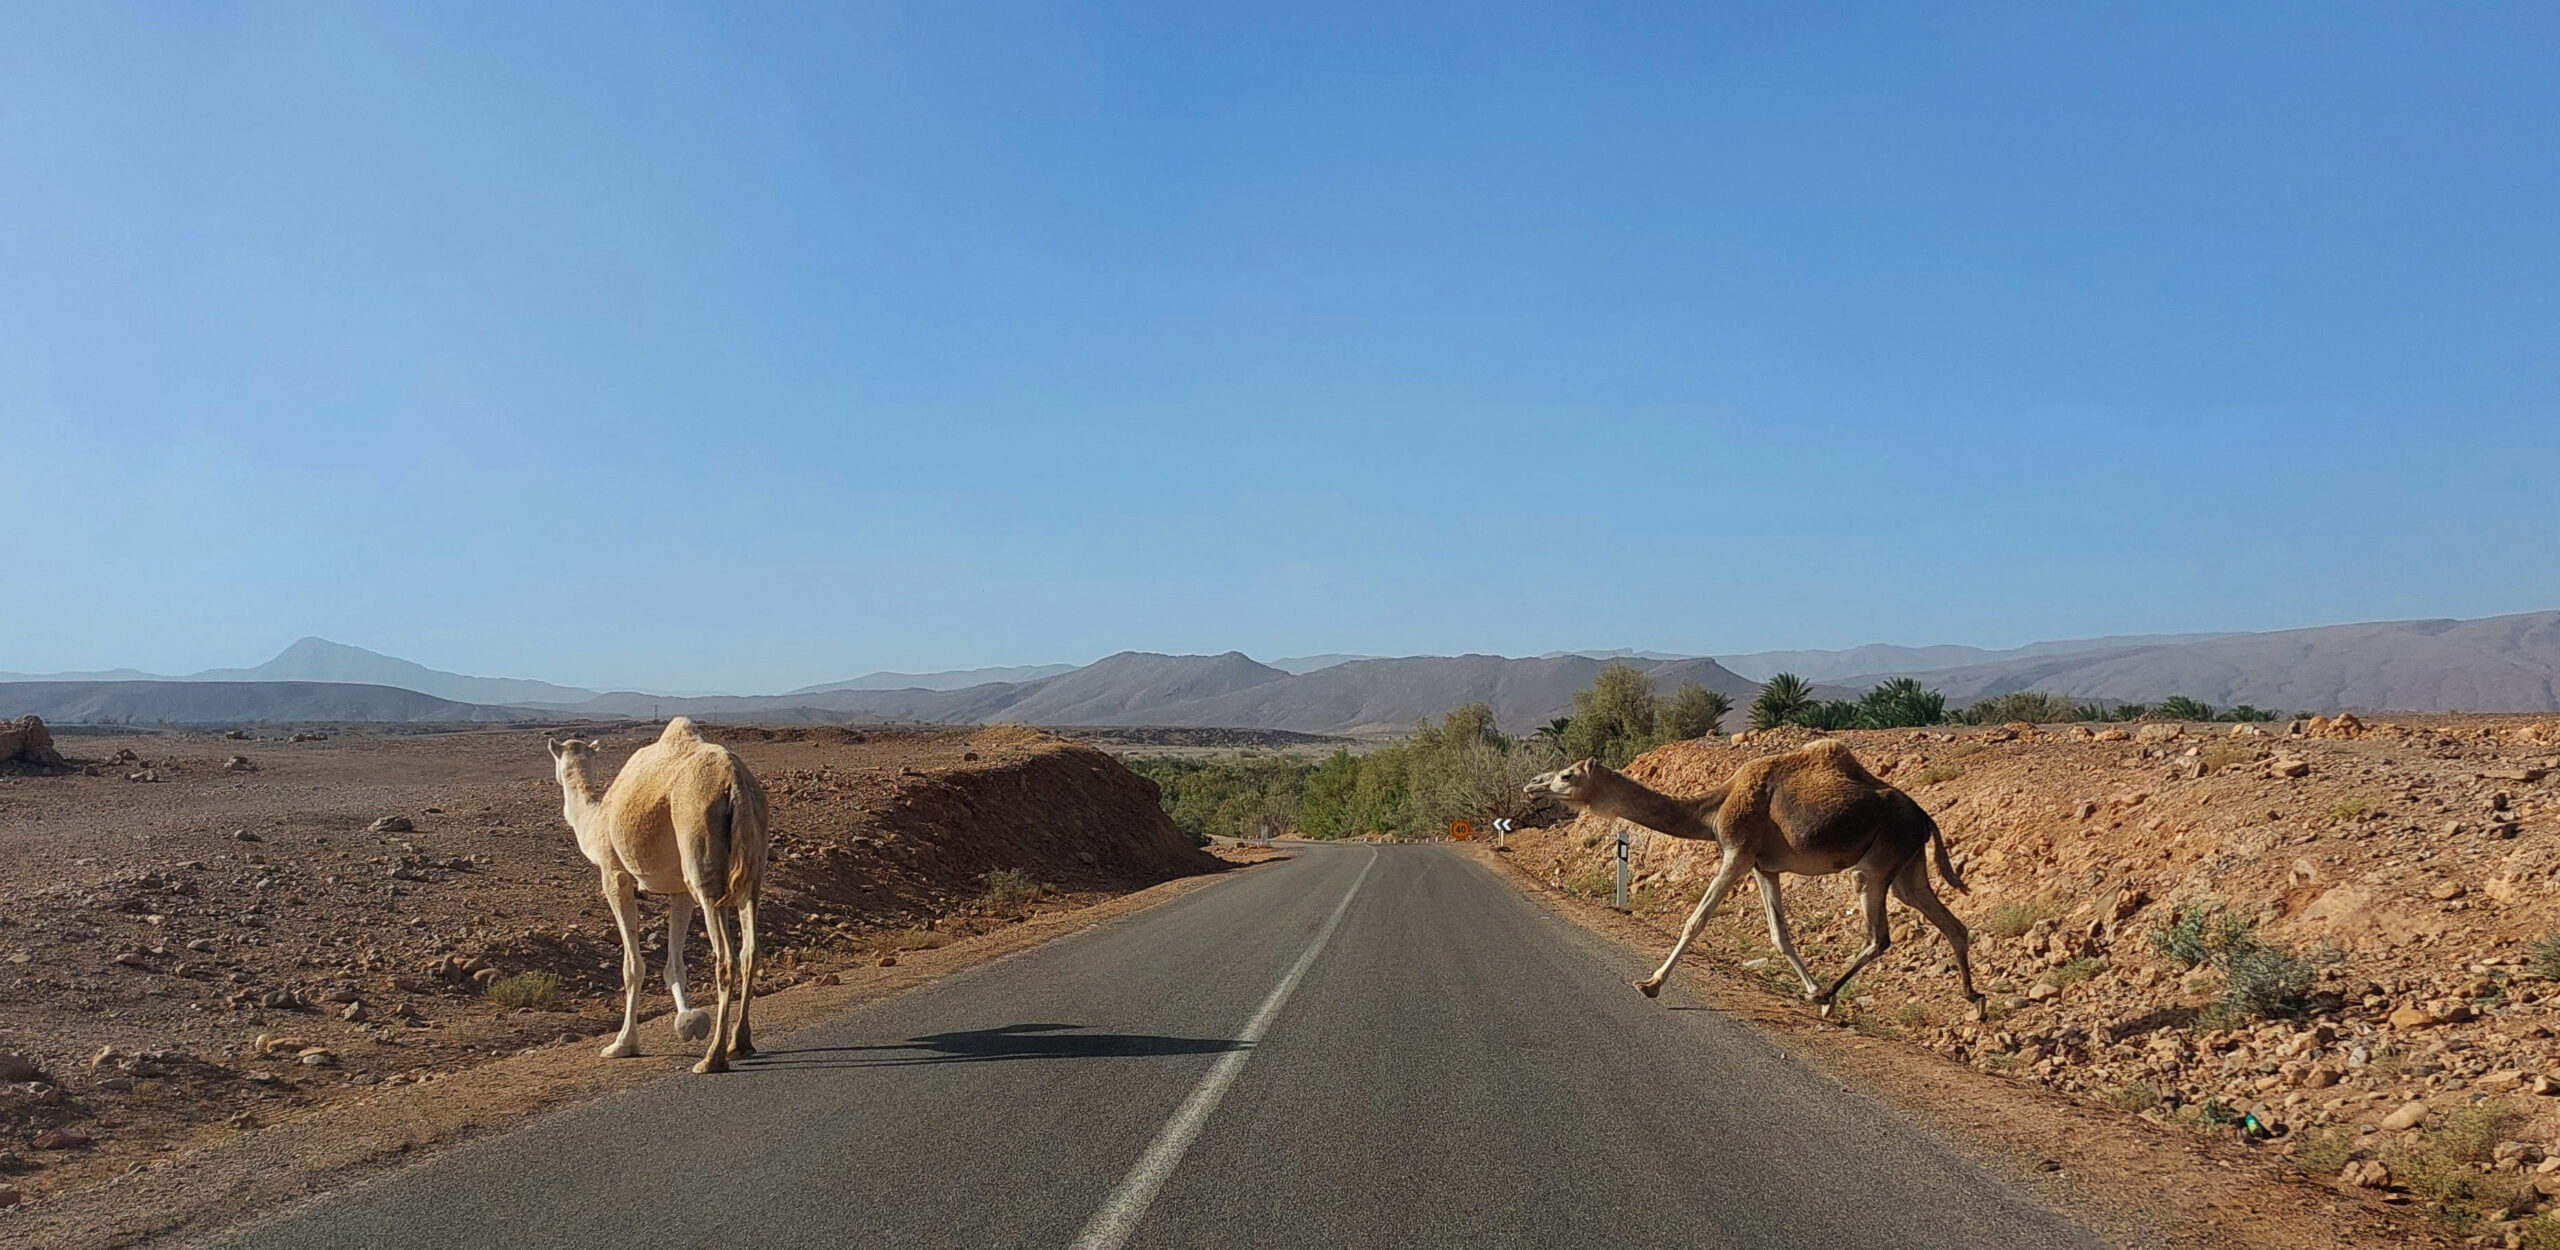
{"x":202,"y":1186}
{"x":2136,"y":1183}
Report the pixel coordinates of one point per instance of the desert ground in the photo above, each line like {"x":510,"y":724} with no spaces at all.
{"x":2413,"y":863}
{"x":202,"y":935}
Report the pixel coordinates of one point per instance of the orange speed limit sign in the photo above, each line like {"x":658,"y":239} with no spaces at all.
{"x":1460,"y":831}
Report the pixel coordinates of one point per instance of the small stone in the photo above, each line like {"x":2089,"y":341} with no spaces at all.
{"x":106,"y":1055}
{"x":2447,"y":891}
{"x":16,"y":1067}
{"x":2041,"y":991}
{"x":353,"y":1013}
{"x":61,"y":1139}
{"x":2408,"y":1116}
{"x":2364,"y":1174}
{"x":317,"y":1058}
{"x":2509,"y":1078}
{"x":10,"y":1197}
{"x":830,"y":979}
{"x":393,"y":824}
{"x":2287,"y":766}
{"x":2413,"y":1018}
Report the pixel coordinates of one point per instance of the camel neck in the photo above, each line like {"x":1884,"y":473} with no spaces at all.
{"x":1628,"y":799}
{"x":579,"y":794}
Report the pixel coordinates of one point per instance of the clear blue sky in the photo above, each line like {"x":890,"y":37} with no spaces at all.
{"x":737,"y":348}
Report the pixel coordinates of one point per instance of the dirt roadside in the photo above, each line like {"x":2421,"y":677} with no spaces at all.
{"x":2138,"y":1183}
{"x":223,"y":1180}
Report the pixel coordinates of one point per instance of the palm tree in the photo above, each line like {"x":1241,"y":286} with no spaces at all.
{"x":1781,"y":700}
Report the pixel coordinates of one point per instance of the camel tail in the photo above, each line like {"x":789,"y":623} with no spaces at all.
{"x":720,"y":845}
{"x":1938,"y":842}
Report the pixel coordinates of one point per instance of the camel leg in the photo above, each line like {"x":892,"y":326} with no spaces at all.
{"x":724,"y":970}
{"x":742,"y":1042}
{"x":1912,"y":887}
{"x":1727,"y":877}
{"x":692,"y":1023}
{"x":1778,"y":934}
{"x":1879,"y":934}
{"x":622,"y":894}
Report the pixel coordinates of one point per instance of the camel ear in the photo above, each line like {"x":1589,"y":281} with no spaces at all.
{"x":552,"y":746}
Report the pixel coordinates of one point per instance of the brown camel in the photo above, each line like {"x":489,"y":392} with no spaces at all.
{"x":683,"y":818}
{"x":1812,"y":811}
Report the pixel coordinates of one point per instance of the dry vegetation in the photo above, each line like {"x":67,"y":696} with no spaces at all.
{"x":2331,"y":941}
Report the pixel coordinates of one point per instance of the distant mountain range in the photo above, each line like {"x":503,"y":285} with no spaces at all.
{"x":2509,"y":663}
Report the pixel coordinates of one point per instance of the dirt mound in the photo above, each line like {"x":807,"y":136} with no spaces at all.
{"x":26,"y":746}
{"x":2416,"y":862}
{"x":855,"y":846}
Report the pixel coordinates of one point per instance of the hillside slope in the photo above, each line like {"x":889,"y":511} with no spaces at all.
{"x":2498,"y":664}
{"x":228,"y":702}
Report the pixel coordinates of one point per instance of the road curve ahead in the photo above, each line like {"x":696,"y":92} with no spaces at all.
{"x":1358,"y":1047}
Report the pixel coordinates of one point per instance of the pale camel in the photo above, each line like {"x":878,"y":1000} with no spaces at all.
{"x":1813,"y":811}
{"x":685,"y":819}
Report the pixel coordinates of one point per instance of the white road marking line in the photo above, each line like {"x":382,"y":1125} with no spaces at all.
{"x":1110,"y":1227}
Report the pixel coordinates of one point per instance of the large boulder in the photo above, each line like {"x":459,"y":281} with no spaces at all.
{"x":27,"y":746}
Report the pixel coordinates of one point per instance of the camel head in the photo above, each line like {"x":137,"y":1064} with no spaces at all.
{"x":1573,"y":783}
{"x":569,"y":759}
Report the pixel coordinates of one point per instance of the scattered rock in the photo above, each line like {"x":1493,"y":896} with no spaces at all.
{"x":831,"y":979}
{"x":26,"y":746}
{"x":393,"y":824}
{"x":238,"y":764}
{"x":2159,"y":731}
{"x":16,"y":1067}
{"x":61,"y":1139}
{"x":2287,"y":766}
{"x":2413,"y":1018}
{"x":2364,"y":1174}
{"x":2409,"y":1115}
{"x":10,"y":1197}
{"x":243,"y":835}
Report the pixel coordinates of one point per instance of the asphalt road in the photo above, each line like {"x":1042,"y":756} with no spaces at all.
{"x":1359,"y":1047}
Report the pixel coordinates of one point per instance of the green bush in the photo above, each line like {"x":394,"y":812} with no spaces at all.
{"x":2180,"y":707}
{"x":1782,"y":700}
{"x":2010,"y":920}
{"x":1692,"y":711}
{"x":1829,"y":717}
{"x":1901,"y":703}
{"x":2032,"y":706}
{"x":2546,"y":954}
{"x":2260,"y":978}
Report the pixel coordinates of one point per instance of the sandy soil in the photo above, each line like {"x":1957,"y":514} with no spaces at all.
{"x":2415,"y":863}
{"x":191,"y":950}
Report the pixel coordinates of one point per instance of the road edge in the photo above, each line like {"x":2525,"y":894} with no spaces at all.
{"x":198,"y":1191}
{"x":2134,"y":1183}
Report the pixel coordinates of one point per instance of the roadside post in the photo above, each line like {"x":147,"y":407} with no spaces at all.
{"x":1501,"y":830}
{"x":1622,"y":867}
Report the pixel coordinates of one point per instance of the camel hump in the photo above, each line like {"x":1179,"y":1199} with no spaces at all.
{"x":680,"y":730}
{"x":1833,"y":753}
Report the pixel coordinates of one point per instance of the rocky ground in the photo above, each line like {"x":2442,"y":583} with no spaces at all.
{"x":2413,"y":864}
{"x":200,"y":935}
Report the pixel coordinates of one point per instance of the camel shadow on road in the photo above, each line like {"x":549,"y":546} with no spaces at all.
{"x":999,"y":1044}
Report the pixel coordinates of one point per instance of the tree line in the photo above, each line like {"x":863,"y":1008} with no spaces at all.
{"x":1464,"y":767}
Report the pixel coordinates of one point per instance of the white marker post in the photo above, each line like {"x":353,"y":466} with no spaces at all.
{"x":1622,"y":867}
{"x":1501,"y":829}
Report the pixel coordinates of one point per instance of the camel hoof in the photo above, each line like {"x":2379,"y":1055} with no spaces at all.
{"x":621,"y":1050}
{"x":709,"y":1066}
{"x":1651,"y":989}
{"x":742,"y":1050}
{"x":693,"y":1026}
{"x":1827,"y":1006}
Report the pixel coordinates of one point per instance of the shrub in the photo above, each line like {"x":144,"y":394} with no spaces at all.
{"x":538,"y":990}
{"x":1692,"y":711}
{"x":2032,"y":706}
{"x":2349,"y":809}
{"x":2546,"y":954}
{"x":2138,"y":1096}
{"x":2180,"y":707}
{"x":2445,"y":1165}
{"x":1901,"y":703}
{"x":2260,"y":978}
{"x":2217,"y":756}
{"x":1829,"y":717}
{"x":1010,"y":890}
{"x":2012,"y":920}
{"x":2075,"y":971}
{"x":1936,"y":773}
{"x":1781,"y":700}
